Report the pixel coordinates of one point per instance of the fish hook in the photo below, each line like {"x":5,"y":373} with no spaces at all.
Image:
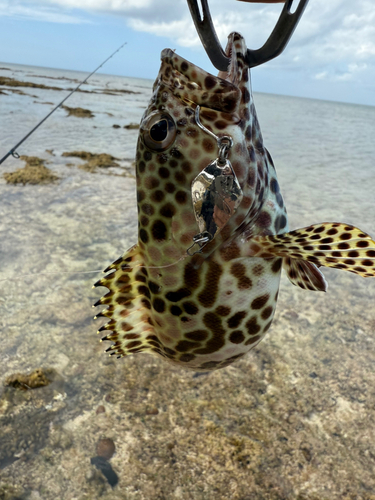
{"x":273,"y":47}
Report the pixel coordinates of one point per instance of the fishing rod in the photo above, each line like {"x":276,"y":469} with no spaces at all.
{"x":13,"y":150}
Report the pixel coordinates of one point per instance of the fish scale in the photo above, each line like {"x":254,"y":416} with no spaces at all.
{"x":204,"y":311}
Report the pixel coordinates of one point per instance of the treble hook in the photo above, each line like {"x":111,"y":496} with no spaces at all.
{"x":273,"y":47}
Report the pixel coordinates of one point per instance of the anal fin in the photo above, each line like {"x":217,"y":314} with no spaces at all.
{"x":304,"y":274}
{"x":329,"y":244}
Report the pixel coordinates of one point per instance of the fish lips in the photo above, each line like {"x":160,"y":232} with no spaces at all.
{"x":192,"y":84}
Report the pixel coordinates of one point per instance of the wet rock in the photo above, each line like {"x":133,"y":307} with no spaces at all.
{"x":105,"y":448}
{"x":8,"y":492}
{"x":78,"y":112}
{"x":152,"y":411}
{"x":34,"y":172}
{"x":117,"y":92}
{"x":132,"y":126}
{"x":11,"y":82}
{"x":37,"y":378}
{"x":94,"y":161}
{"x":109,"y":398}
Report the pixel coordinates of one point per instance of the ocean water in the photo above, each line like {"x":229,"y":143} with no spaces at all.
{"x":293,"y":419}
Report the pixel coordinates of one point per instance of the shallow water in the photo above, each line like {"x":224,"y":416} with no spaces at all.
{"x":293,"y":419}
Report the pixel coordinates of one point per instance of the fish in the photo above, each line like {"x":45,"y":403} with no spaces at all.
{"x":200,"y":287}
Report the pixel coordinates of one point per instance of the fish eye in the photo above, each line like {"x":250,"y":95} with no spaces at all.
{"x":158,"y":131}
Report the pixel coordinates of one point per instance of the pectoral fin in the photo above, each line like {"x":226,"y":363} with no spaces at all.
{"x":329,"y":244}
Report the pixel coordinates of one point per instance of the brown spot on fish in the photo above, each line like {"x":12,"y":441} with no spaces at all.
{"x":221,"y":124}
{"x":252,"y":340}
{"x":280,"y":222}
{"x":180,"y":178}
{"x":213,"y":345}
{"x":239,"y":271}
{"x":259,"y":302}
{"x":157,"y":196}
{"x":230,"y":252}
{"x":143,"y":235}
{"x":209,"y":145}
{"x":164,"y":172}
{"x":181,"y":197}
{"x":208,"y":295}
{"x":197,"y":335}
{"x":159,"y":230}
{"x":362,"y":244}
{"x":236,"y":337}
{"x":264,"y":220}
{"x":186,"y":345}
{"x":252,"y":326}
{"x":235,"y":320}
{"x":170,"y":188}
{"x":168,"y":210}
{"x":190,"y":308}
{"x":343,"y":246}
{"x":144,"y":220}
{"x":209,"y":82}
{"x":180,"y":294}
{"x":276,"y":266}
{"x":266,"y":313}
{"x":345,"y":236}
{"x":223,"y":310}
{"x":151,"y":182}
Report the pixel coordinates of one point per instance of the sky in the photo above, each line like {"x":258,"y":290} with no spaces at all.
{"x":331,"y":55}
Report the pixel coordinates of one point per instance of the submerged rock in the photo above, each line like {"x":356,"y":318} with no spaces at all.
{"x":11,"y":82}
{"x":78,"y":112}
{"x":105,"y":448}
{"x":94,"y":161}
{"x":132,"y":126}
{"x":34,"y":172}
{"x":37,"y":378}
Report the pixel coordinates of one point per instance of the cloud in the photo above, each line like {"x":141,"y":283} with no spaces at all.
{"x":321,"y":76}
{"x":332,"y":41}
{"x":26,"y":10}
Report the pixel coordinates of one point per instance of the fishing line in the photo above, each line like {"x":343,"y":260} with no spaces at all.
{"x":24,"y":276}
{"x":13,"y":150}
{"x":18,"y":278}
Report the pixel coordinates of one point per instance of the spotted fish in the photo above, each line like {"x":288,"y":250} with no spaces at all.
{"x":200,"y":287}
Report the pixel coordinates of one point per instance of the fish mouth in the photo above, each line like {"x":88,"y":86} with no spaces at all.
{"x":193,"y":84}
